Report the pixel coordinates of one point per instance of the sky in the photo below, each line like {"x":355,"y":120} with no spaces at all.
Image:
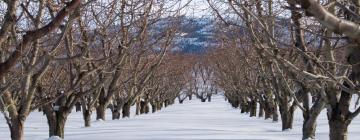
{"x":196,"y":8}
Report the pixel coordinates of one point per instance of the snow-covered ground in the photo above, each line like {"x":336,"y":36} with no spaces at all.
{"x":191,"y":120}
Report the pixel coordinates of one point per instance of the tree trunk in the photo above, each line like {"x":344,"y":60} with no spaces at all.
{"x":100,"y":112}
{"x":126,"y":110}
{"x":87,"y":117}
{"x":261,"y":109}
{"x":61,"y":118}
{"x":144,"y":108}
{"x":309,"y":127}
{"x":159,"y":105}
{"x":138,"y":107}
{"x":78,"y":107}
{"x":172,"y":101}
{"x":275,"y":113}
{"x":116,"y":112}
{"x":51,"y":119}
{"x":209,"y":98}
{"x":310,"y":116}
{"x":268,"y":109}
{"x":286,"y":119}
{"x":166,"y":103}
{"x":268,"y":114}
{"x":17,"y":129}
{"x":244,"y":107}
{"x":234,"y":103}
{"x":253,"y":106}
{"x":147,"y":108}
{"x":153,"y":107}
{"x":338,"y":129}
{"x":181,"y":100}
{"x":190,"y":97}
{"x":56,"y":121}
{"x":287,"y":116}
{"x":338,"y":115}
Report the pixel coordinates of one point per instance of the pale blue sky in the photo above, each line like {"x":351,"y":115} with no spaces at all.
{"x":197,"y":8}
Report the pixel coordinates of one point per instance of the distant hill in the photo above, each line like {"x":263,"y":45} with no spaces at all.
{"x":195,"y":35}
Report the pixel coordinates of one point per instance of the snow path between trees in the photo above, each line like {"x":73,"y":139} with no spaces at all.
{"x":191,"y":120}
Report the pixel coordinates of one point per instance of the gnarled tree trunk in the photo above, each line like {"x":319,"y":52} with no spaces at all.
{"x":56,"y":120}
{"x":287,"y":114}
{"x":144,"y":107}
{"x":126,"y":109}
{"x":87,"y":117}
{"x":275,"y":113}
{"x":261,"y":109}
{"x":61,"y":118}
{"x":153,"y":107}
{"x":100,"y":112}
{"x":16,"y":129}
{"x":310,"y":116}
{"x":338,"y":129}
{"x":253,"y":107}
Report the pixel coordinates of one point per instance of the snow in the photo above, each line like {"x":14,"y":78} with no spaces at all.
{"x":54,"y":138}
{"x":191,"y":120}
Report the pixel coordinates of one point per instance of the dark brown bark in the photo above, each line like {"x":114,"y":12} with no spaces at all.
{"x":253,"y":106}
{"x":287,"y":120}
{"x":101,"y":108}
{"x":16,"y":129}
{"x":159,"y":105}
{"x":138,"y":108}
{"x":275,"y":113}
{"x":261,"y":109}
{"x":338,"y":129}
{"x":338,"y":117}
{"x":116,"y":113}
{"x":31,"y":36}
{"x":147,"y":108}
{"x":9,"y":20}
{"x":78,"y":107}
{"x":56,"y":120}
{"x":268,"y":114}
{"x":234,"y":103}
{"x":126,"y":110}
{"x":61,"y":118}
{"x":87,"y":117}
{"x":310,"y":116}
{"x":100,"y":112}
{"x":268,"y":109}
{"x":153,"y":107}
{"x":51,"y":119}
{"x":144,"y":107}
{"x":287,"y":117}
{"x":244,"y":108}
{"x":340,"y":26}
{"x":166,"y":103}
{"x":171,"y":101}
{"x":309,"y":127}
{"x":116,"y":110}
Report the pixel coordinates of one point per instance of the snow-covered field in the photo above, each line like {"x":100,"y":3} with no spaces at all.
{"x":191,"y":120}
